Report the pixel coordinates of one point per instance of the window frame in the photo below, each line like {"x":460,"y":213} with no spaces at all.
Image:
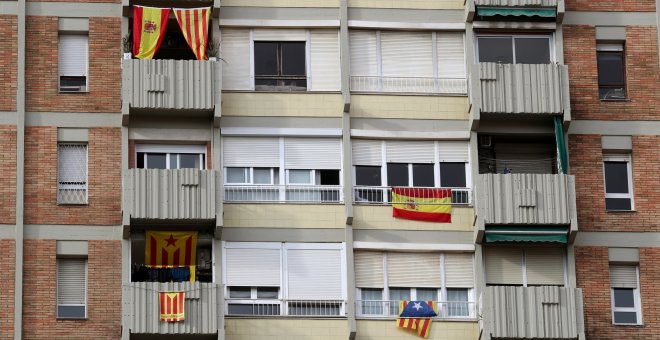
{"x":613,"y":49}
{"x":551,"y":39}
{"x":636,"y":301}
{"x":249,"y":171}
{"x":168,"y":150}
{"x":279,"y":56}
{"x":564,"y":254}
{"x":84,"y":186}
{"x":62,"y":89}
{"x":57,"y":289}
{"x":620,"y":158}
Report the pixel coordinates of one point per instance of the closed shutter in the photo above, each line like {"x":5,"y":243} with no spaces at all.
{"x":451,"y":55}
{"x":453,"y":151}
{"x":364,"y":56}
{"x":72,"y":164}
{"x":72,"y":54}
{"x":325,"y":69}
{"x":367,"y":152}
{"x":314,"y":274}
{"x":253,"y":267}
{"x":406,"y":54}
{"x":251,"y":151}
{"x":622,"y":276}
{"x":504,"y":266}
{"x":545,"y":266}
{"x":235,"y":48}
{"x":409,"y":270}
{"x":410,"y":151}
{"x":524,"y":158}
{"x":71,"y":281}
{"x":369,"y":269}
{"x":279,"y":35}
{"x":459,"y":272}
{"x":312,"y":153}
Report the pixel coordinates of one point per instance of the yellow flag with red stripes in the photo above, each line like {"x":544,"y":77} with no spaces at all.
{"x":194,"y":23}
{"x":171,"y":249}
{"x":172,"y":306}
{"x":424,"y":204}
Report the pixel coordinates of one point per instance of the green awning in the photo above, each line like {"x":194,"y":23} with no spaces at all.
{"x":526,"y":234}
{"x":517,"y":12}
{"x":562,"y":152}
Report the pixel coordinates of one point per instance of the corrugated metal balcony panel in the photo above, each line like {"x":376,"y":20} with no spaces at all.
{"x":525,"y":198}
{"x":516,"y":3}
{"x":521,"y":88}
{"x":172,"y":194}
{"x":547,"y":312}
{"x":142,"y":311}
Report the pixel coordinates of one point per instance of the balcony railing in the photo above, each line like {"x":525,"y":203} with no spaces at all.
{"x":383,"y":195}
{"x":318,"y":194}
{"x":284,"y":307}
{"x":390,"y":309}
{"x":409,"y":85}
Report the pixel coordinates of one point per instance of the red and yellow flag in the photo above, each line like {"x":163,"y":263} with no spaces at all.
{"x":194,"y":23}
{"x":425,"y":204}
{"x":171,"y":249}
{"x":420,"y":324}
{"x":171,"y":306}
{"x":148,"y":30}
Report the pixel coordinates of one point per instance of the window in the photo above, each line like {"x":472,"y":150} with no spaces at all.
{"x":72,"y":62}
{"x":611,"y":71}
{"x":514,"y":49}
{"x":626,"y":306}
{"x":410,"y":175}
{"x":71,"y":173}
{"x":513,"y":266}
{"x":618,"y":183}
{"x":247,"y":297}
{"x":171,"y":156}
{"x":71,"y":288}
{"x":262,"y":176}
{"x":280,"y":66}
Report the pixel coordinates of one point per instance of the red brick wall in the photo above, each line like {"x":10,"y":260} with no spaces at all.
{"x":8,"y":177}
{"x":104,"y":179}
{"x":587,"y":166}
{"x":7,"y":267}
{"x":642,"y":75}
{"x":611,"y":5}
{"x":592,"y":270}
{"x":8,"y":56}
{"x":103,"y":294}
{"x":104,"y":74}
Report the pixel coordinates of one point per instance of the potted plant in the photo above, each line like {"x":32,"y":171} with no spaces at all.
{"x":127,"y":45}
{"x":213,"y":49}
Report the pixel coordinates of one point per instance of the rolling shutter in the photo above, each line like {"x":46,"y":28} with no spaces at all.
{"x":253,"y":267}
{"x":312,"y":153}
{"x":314,"y":274}
{"x":413,"y":270}
{"x":410,"y":151}
{"x":622,"y":276}
{"x":545,"y":266}
{"x":504,"y":266}
{"x":367,"y":152}
{"x":235,"y":48}
{"x":524,"y":158}
{"x":364,"y":56}
{"x":325,"y":69}
{"x":279,"y":35}
{"x":406,"y":54}
{"x":369,"y":269}
{"x":72,"y":163}
{"x":451,"y":55}
{"x":251,"y":151}
{"x":453,"y":151}
{"x":72,"y":54}
{"x":71,"y":281}
{"x":459,"y":272}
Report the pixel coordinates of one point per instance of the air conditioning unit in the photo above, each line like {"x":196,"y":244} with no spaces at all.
{"x":485,"y":142}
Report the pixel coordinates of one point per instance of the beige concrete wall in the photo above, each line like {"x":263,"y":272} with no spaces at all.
{"x":380,"y":217}
{"x":413,"y":107}
{"x":440,"y":330}
{"x":282,"y":104}
{"x":283,"y":3}
{"x":417,"y":4}
{"x":285,"y":329}
{"x":284,"y":215}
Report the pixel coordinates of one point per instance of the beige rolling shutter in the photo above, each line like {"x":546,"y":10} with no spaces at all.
{"x":72,"y":54}
{"x":413,"y":270}
{"x":545,"y":266}
{"x":253,"y":267}
{"x":453,"y":151}
{"x":407,"y":54}
{"x":314,"y":274}
{"x":312,"y":153}
{"x":369,"y":269}
{"x":364,"y":56}
{"x":235,"y":51}
{"x":276,"y":34}
{"x":410,"y":151}
{"x":459,"y":271}
{"x":324,"y":64}
{"x":367,"y":152}
{"x":451,"y":55}
{"x":251,"y":151}
{"x":71,"y":281}
{"x":623,"y":276}
{"x":504,"y":266}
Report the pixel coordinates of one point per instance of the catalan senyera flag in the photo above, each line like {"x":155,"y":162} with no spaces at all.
{"x":171,"y":306}
{"x":171,"y":249}
{"x":425,"y":204}
{"x":416,"y":316}
{"x":194,"y":23}
{"x":149,"y":25}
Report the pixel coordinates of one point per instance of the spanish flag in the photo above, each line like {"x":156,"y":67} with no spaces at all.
{"x":171,"y":306}
{"x":148,"y":30}
{"x":416,"y":316}
{"x":425,"y":204}
{"x":171,"y":249}
{"x":194,"y":23}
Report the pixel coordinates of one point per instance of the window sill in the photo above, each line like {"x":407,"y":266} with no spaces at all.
{"x":71,"y":319}
{"x":626,"y":100}
{"x":390,"y":318}
{"x":283,"y":91}
{"x":639,"y":325}
{"x":620,"y":211}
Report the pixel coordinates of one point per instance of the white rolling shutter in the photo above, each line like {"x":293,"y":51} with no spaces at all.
{"x":413,"y":270}
{"x":251,"y":151}
{"x":367,"y":152}
{"x":504,"y":266}
{"x":364,"y":56}
{"x":324,"y":64}
{"x":235,"y":50}
{"x":369,"y":269}
{"x":545,"y":266}
{"x":253,"y":267}
{"x":71,"y":281}
{"x":410,"y":151}
{"x":312,"y":153}
{"x":407,"y":54}
{"x":459,"y":272}
{"x":72,"y":55}
{"x":276,"y":34}
{"x":454,"y":151}
{"x":314,"y":274}
{"x":451,"y":55}
{"x":72,"y":163}
{"x":623,"y":276}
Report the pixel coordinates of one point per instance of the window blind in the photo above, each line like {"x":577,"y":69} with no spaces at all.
{"x":267,"y":34}
{"x":453,"y":151}
{"x":369,"y":269}
{"x":312,"y":153}
{"x":314,"y":274}
{"x":251,"y":151}
{"x":410,"y":151}
{"x":623,"y":276}
{"x":252,"y":267}
{"x":451,"y":54}
{"x":364,"y":53}
{"x":545,"y":266}
{"x":413,"y":270}
{"x":504,"y":265}
{"x":71,"y":281}
{"x":406,"y":54}
{"x":459,"y":272}
{"x":235,"y":48}
{"x":367,"y":152}
{"x":72,"y":55}
{"x":72,"y":163}
{"x":325,"y":69}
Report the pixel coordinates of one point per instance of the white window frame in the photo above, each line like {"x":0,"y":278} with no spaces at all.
{"x":636,"y":299}
{"x":172,"y":149}
{"x":250,"y":172}
{"x":550,"y":37}
{"x":308,"y":55}
{"x":57,"y":285}
{"x":312,"y":176}
{"x":630,"y":195}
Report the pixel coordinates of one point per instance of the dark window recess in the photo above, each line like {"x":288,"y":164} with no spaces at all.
{"x":423,"y":175}
{"x":154,"y":160}
{"x":73,"y":84}
{"x":616,"y":177}
{"x":329,"y":177}
{"x":611,"y":75}
{"x":397,"y":175}
{"x":253,"y":309}
{"x":496,"y":50}
{"x":514,"y":50}
{"x":279,"y":66}
{"x":452,"y":175}
{"x":624,"y":298}
{"x":71,"y":312}
{"x":368,"y":176}
{"x":532,"y":51}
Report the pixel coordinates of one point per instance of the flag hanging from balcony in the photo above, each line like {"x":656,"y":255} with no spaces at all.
{"x":424,"y":204}
{"x":416,"y":316}
{"x":171,"y":249}
{"x":171,"y":306}
{"x":149,"y":25}
{"x":194,"y":23}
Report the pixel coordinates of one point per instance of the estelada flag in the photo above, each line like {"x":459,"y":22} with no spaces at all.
{"x":171,"y":306}
{"x":149,"y":25}
{"x":425,"y":204}
{"x":171,"y":249}
{"x":194,"y":23}
{"x":416,"y":316}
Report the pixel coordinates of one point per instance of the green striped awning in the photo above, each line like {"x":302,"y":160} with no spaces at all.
{"x":517,"y":12}
{"x":526,"y":234}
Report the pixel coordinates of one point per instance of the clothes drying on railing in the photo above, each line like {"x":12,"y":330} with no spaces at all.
{"x":150,"y":274}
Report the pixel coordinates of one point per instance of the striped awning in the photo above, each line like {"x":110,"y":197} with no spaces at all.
{"x":517,"y":12}
{"x":526,"y":234}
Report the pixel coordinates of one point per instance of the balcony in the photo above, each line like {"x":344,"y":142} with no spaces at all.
{"x":546,"y":312}
{"x":408,"y":85}
{"x":141,"y":308}
{"x":285,"y":307}
{"x":532,"y":9}
{"x":312,"y":194}
{"x":448,"y":310}
{"x":383,"y":195}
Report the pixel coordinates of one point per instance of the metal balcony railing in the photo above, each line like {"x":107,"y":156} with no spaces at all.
{"x":383,"y":195}
{"x":408,"y":85}
{"x":285,"y":307}
{"x":390,"y":309}
{"x":319,"y":194}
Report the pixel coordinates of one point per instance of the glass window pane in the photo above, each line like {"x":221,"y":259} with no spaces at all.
{"x":262,"y":176}
{"x":300,"y":177}
{"x":425,"y":294}
{"x":618,"y":204}
{"x":459,"y":294}
{"x":367,"y":175}
{"x":156,"y":161}
{"x":625,"y":317}
{"x":610,"y":68}
{"x":174,"y":161}
{"x":267,"y":292}
{"x":189,"y":161}
{"x":624,"y":297}
{"x":237,"y":175}
{"x":452,"y":175}
{"x":327,"y":177}
{"x":371,"y":294}
{"x":293,"y":58}
{"x":397,"y":175}
{"x":457,"y":302}
{"x":496,"y":50}
{"x":372,"y":303}
{"x":265,"y":58}
{"x":396,"y":295}
{"x":616,"y":177}
{"x":140,"y":160}
{"x":74,"y":312}
{"x":240,"y":292}
{"x":532,"y":50}
{"x":423,"y":175}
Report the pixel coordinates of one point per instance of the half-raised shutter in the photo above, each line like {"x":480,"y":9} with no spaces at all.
{"x":253,"y":267}
{"x":236,"y":55}
{"x":413,"y":270}
{"x":453,"y":151}
{"x":545,"y":266}
{"x":369,"y":269}
{"x":459,"y":272}
{"x":410,"y":151}
{"x":312,"y":153}
{"x":364,"y":56}
{"x":251,"y":151}
{"x":367,"y":152}
{"x":72,"y":53}
{"x":623,"y":276}
{"x":71,"y":281}
{"x":407,"y":54}
{"x":504,"y":266}
{"x":314,"y":274}
{"x":325,"y":69}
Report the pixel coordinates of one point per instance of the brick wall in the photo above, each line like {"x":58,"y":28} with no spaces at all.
{"x":104,"y":73}
{"x":642,"y":75}
{"x":7,"y":267}
{"x":8,"y":177}
{"x":104,"y":179}
{"x":592,"y":270}
{"x":8,"y":55}
{"x":611,"y":5}
{"x":103,"y":294}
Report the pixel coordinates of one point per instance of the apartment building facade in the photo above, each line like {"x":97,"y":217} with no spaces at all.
{"x":285,"y":157}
